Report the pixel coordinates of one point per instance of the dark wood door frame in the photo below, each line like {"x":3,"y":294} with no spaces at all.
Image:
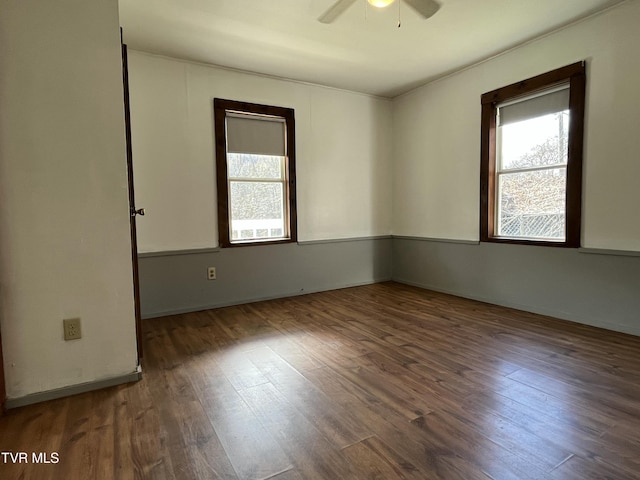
{"x":132,"y":200}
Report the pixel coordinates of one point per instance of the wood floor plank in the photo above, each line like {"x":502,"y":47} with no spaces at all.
{"x":491,"y":407}
{"x":537,"y":451}
{"x":371,"y":458}
{"x":380,"y":381}
{"x":615,"y":406}
{"x":252,"y":449}
{"x":293,"y":354}
{"x":101,"y":435}
{"x":578,"y":468}
{"x":557,"y":407}
{"x":239,"y":369}
{"x":74,"y":440}
{"x":33,"y":429}
{"x":477,"y":448}
{"x":336,"y":424}
{"x":291,"y":474}
{"x":313,"y":456}
{"x":424,"y":452}
{"x":140,"y":447}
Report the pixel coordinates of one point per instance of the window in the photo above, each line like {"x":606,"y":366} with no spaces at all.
{"x":531,"y":172}
{"x":255,"y":159}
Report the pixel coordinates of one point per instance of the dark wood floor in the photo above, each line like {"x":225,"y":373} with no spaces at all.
{"x":383,"y":381}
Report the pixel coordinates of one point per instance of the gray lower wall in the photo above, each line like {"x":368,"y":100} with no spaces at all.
{"x":176,"y":282}
{"x":599,"y":290}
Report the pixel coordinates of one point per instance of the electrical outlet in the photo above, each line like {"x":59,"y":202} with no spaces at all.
{"x":72,"y":328}
{"x":211,"y":273}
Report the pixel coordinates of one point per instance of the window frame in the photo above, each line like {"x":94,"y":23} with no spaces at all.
{"x":220,"y":108}
{"x":575,"y":76}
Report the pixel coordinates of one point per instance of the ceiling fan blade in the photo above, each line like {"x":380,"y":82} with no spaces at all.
{"x":335,"y":11}
{"x":426,"y":8}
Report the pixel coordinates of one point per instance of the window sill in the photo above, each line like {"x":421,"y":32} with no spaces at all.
{"x":525,"y":241}
{"x":255,"y":243}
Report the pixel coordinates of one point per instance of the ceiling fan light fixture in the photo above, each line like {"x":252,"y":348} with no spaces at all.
{"x":424,"y":8}
{"x":380,"y":3}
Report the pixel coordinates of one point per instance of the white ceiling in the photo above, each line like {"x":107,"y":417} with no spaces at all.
{"x":284,"y":39}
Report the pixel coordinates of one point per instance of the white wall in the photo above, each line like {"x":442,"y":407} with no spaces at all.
{"x":343,"y":153}
{"x":64,"y":232}
{"x":437,"y":134}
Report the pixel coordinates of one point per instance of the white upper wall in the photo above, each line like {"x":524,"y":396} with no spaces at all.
{"x":437,"y":134}
{"x":343,"y":153}
{"x":64,"y":222}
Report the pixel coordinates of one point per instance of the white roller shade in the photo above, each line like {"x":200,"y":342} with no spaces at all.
{"x":554,"y":101}
{"x":256,"y":135}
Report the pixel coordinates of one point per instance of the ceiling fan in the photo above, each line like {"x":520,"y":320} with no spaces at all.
{"x":426,"y":8}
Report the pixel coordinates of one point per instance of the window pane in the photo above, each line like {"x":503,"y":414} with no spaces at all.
{"x":242,"y":165}
{"x":536,"y":142}
{"x":532,"y":204}
{"x":257,"y":210}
